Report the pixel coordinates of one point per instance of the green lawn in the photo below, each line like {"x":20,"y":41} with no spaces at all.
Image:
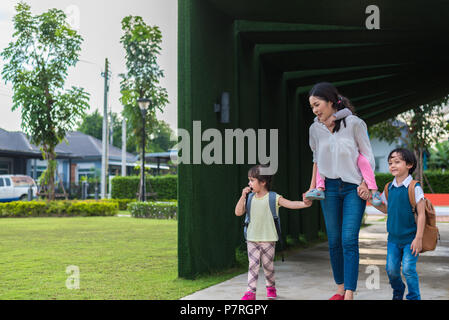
{"x":118,"y":258}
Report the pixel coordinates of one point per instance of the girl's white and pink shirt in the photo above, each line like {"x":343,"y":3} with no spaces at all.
{"x":336,"y":153}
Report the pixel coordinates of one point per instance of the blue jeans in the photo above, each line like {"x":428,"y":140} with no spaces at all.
{"x":397,"y":254}
{"x":343,"y":211}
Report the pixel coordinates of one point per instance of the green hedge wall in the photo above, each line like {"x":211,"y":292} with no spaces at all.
{"x":154,"y":210}
{"x":165,"y":186}
{"x":437,"y":179}
{"x":58,"y":208}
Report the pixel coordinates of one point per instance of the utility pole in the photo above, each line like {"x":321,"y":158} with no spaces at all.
{"x":104,"y":155}
{"x":124,"y":147}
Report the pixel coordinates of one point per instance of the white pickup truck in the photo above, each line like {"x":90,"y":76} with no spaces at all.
{"x":15,"y":187}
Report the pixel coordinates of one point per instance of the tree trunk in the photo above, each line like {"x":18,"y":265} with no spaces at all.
{"x":419,"y":164}
{"x":51,"y":167}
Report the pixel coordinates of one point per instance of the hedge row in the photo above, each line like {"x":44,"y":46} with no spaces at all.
{"x":62,"y":208}
{"x":154,"y":210}
{"x":165,"y":186}
{"x":123,"y":203}
{"x":437,"y":179}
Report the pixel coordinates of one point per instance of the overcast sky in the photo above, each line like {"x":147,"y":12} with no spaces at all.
{"x":99,"y":23}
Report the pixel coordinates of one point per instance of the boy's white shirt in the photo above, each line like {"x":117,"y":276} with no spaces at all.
{"x":419,"y":193}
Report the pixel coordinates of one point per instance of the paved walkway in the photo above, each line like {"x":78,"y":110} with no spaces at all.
{"x":306,"y":275}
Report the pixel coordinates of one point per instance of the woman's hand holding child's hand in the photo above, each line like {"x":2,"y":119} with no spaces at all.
{"x":363,"y":191}
{"x":306,"y":201}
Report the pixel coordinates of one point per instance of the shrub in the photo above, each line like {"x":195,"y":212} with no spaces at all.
{"x":154,"y":210}
{"x":438,"y":180}
{"x":124,"y":187}
{"x":101,"y":208}
{"x":122,"y":203}
{"x":166,"y":186}
{"x":382,"y":179}
{"x":127,"y":187}
{"x":23,"y":209}
{"x":58,"y":208}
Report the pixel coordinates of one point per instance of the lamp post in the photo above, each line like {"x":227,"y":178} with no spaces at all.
{"x":143,"y":105}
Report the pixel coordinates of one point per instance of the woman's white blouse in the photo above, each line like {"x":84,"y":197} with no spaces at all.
{"x":336,"y":154}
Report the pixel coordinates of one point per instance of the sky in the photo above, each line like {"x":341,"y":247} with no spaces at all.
{"x":99,"y":23}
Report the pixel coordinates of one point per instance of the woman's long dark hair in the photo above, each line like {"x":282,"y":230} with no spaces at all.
{"x":327,"y":92}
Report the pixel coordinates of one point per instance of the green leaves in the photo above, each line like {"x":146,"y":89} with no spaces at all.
{"x":142,"y":47}
{"x":439,"y":156}
{"x":424,"y":126}
{"x":36,"y":63}
{"x":153,"y":210}
{"x":389,"y":130}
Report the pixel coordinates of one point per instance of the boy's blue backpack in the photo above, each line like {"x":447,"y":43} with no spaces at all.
{"x":272,"y":202}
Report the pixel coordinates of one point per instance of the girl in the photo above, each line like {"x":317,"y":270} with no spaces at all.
{"x":336,"y":147}
{"x":261,"y":233}
{"x":362,"y":163}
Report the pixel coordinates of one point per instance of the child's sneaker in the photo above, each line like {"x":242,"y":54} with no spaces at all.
{"x":271,"y":293}
{"x":376,"y":199}
{"x":249,"y":296}
{"x":315,"y":194}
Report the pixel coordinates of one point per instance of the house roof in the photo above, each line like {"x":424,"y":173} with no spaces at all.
{"x":75,"y":145}
{"x":171,"y":154}
{"x":19,"y":144}
{"x":85,"y":146}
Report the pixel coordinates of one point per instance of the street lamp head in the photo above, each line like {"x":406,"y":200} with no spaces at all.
{"x":143,"y":103}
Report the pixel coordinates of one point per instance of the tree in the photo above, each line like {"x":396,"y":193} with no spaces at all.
{"x":389,"y":130}
{"x":439,"y":156}
{"x":162,"y":135}
{"x":159,"y":141}
{"x":92,"y":124}
{"x":36,"y":63}
{"x":142,"y":46}
{"x":425,"y":125}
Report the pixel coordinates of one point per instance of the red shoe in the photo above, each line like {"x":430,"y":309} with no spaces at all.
{"x":249,"y":296}
{"x":271,"y":293}
{"x":338,"y":297}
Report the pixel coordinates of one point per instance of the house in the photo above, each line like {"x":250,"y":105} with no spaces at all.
{"x":19,"y":156}
{"x":381,"y":149}
{"x":161,"y":161}
{"x":78,"y":156}
{"x":88,"y":151}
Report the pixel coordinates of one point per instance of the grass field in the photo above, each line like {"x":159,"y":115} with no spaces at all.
{"x":117,"y":257}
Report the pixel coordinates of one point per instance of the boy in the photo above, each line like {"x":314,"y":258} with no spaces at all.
{"x":404,"y":233}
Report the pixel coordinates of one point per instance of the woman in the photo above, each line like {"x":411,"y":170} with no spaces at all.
{"x":336,"y":147}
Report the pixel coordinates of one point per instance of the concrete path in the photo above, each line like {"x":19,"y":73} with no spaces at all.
{"x":306,"y":275}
